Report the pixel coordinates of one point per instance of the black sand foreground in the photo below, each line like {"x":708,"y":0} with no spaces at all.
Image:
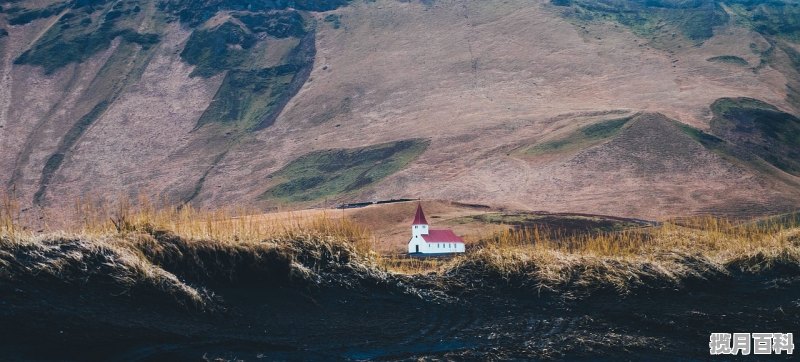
{"x":327,"y":303}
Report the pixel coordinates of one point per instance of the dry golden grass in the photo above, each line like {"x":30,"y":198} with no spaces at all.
{"x":104,"y":218}
{"x":9,"y":213}
{"x":150,"y":245}
{"x":172,"y":252}
{"x":664,"y":256}
{"x":707,"y":235}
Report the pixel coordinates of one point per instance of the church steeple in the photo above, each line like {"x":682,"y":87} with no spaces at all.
{"x":420,"y":225}
{"x":419,"y":218}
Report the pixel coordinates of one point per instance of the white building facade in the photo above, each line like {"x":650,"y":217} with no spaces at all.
{"x":431,"y":242}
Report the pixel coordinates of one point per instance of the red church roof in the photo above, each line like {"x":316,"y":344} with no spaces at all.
{"x":419,"y":218}
{"x":442,"y":236}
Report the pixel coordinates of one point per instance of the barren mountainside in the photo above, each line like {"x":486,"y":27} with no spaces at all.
{"x":635,"y":108}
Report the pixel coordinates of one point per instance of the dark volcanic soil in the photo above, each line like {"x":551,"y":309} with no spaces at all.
{"x":271,"y":322}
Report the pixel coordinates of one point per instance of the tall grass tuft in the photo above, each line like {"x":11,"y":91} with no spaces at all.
{"x":9,"y":214}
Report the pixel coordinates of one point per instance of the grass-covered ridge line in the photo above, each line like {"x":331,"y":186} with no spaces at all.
{"x":335,"y":172}
{"x":760,"y":128}
{"x":584,"y":137}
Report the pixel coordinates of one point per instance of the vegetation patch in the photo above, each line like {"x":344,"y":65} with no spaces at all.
{"x":246,"y":96}
{"x":694,"y":20}
{"x":215,"y":50}
{"x":280,"y":24}
{"x":710,"y":141}
{"x":729,"y":59}
{"x":760,"y":128}
{"x":335,"y":172}
{"x":334,"y":19}
{"x":584,"y":137}
{"x":55,"y":160}
{"x":196,"y":12}
{"x":75,"y":37}
{"x":250,"y":96}
{"x":23,"y":16}
{"x":774,"y":18}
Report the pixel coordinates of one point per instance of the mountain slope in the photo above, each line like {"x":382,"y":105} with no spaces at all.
{"x":210,"y":101}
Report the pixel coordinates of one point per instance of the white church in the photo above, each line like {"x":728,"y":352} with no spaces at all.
{"x":426,"y":241}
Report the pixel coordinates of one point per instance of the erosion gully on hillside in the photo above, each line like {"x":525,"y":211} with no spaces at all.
{"x":470,"y":314}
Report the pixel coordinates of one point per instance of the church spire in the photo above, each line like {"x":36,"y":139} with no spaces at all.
{"x":419,"y":218}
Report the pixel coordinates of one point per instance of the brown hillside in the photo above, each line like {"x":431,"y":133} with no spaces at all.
{"x":479,"y":81}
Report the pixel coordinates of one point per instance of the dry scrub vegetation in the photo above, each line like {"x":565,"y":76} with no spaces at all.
{"x":177,"y":253}
{"x":669,"y":256}
{"x":181,"y":254}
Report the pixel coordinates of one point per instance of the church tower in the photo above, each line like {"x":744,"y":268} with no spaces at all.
{"x":420,"y":225}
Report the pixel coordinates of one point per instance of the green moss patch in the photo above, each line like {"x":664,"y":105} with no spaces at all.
{"x":247,"y":96}
{"x":710,"y":141}
{"x":729,"y":59}
{"x":584,"y":137}
{"x":335,"y":172}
